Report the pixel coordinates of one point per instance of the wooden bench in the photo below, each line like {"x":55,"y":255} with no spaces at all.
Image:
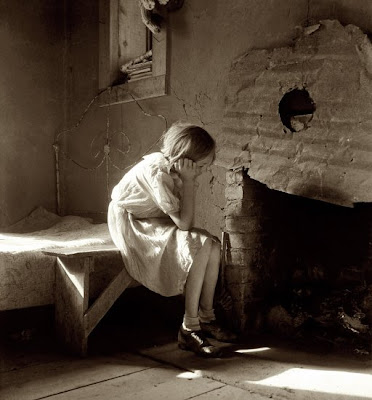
{"x":75,"y":318}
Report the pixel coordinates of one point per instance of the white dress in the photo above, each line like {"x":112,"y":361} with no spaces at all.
{"x":155,"y":252}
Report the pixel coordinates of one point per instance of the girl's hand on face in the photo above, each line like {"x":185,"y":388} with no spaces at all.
{"x":203,"y":170}
{"x":187,"y":169}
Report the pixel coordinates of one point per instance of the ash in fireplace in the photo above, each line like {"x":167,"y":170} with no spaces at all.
{"x":340,"y":317}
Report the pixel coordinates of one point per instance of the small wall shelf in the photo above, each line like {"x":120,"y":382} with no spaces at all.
{"x":114,"y":51}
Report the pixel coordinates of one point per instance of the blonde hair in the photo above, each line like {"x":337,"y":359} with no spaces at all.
{"x":187,"y":141}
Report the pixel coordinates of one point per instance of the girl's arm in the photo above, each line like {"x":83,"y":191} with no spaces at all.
{"x":188,"y":171}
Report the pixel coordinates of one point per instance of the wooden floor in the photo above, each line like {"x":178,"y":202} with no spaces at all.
{"x":121,"y":376}
{"x":133,"y":354}
{"x":32,"y":366}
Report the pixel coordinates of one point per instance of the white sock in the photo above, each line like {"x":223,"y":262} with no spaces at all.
{"x":191,"y":323}
{"x":206,"y":316}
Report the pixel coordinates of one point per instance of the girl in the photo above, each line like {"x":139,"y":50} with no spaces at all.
{"x":150,"y":221}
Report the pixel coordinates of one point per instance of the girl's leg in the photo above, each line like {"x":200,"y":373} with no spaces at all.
{"x":190,"y":336}
{"x":195,"y":280}
{"x":210,"y":277}
{"x":207,"y":317}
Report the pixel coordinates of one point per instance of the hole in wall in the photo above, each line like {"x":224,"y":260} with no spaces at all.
{"x":296,"y":109}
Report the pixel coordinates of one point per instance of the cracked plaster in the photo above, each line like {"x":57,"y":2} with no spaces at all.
{"x":332,"y":159}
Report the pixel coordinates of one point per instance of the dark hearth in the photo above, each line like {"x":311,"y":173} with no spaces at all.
{"x":298,"y":267}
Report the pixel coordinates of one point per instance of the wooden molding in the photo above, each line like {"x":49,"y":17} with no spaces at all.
{"x":147,"y":87}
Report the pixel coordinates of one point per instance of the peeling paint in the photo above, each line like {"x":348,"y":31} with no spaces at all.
{"x":328,"y":60}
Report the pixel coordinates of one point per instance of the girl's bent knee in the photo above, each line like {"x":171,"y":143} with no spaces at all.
{"x":208,"y":244}
{"x":215,"y":250}
{"x":212,"y":248}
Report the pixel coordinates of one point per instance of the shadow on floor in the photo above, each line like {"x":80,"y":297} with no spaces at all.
{"x":140,"y":319}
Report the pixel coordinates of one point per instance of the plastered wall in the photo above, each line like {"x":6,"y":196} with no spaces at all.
{"x":328,"y":156}
{"x":205,"y":38}
{"x":31,"y":107}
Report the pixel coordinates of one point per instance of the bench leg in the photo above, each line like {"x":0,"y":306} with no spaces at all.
{"x":106,"y":299}
{"x":71,"y":302}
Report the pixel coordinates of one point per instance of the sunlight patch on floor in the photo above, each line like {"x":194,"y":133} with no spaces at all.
{"x":190,"y":375}
{"x":256,"y":350}
{"x":326,"y":381}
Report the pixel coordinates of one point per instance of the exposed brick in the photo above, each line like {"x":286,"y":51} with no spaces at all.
{"x":240,"y":317}
{"x":234,"y":177}
{"x":246,"y":307}
{"x":241,"y":292}
{"x":255,"y":190}
{"x":244,"y":224}
{"x":234,"y":192}
{"x":240,"y":275}
{"x":242,"y":257}
{"x":245,"y":241}
{"x":243,"y":208}
{"x":332,"y":60}
{"x":233,"y":207}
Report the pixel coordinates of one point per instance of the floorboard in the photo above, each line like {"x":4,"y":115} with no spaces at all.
{"x":48,"y":378}
{"x":157,"y":383}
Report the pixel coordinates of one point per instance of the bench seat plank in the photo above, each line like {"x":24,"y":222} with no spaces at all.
{"x":86,"y":251}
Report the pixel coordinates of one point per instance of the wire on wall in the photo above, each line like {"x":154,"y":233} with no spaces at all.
{"x":106,"y":158}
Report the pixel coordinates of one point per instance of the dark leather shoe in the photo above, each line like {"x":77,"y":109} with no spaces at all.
{"x":214,"y":330}
{"x":196,"y":341}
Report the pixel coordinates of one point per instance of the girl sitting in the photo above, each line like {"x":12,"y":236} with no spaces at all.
{"x":150,"y":221}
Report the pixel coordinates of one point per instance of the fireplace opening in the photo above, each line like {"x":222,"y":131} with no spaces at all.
{"x":321,"y":287}
{"x":296,"y":109}
{"x":298,"y":210}
{"x":299,"y":268}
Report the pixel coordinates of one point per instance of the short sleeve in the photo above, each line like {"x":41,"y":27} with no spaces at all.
{"x":164,"y":193}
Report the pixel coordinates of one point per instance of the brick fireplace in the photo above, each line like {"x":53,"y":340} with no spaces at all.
{"x":298,"y":147}
{"x":297,"y":266}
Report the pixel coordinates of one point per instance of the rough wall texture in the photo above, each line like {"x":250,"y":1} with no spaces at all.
{"x":250,"y":251}
{"x":278,"y":242}
{"x":204,"y":38}
{"x":31,"y":112}
{"x":331,"y":158}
